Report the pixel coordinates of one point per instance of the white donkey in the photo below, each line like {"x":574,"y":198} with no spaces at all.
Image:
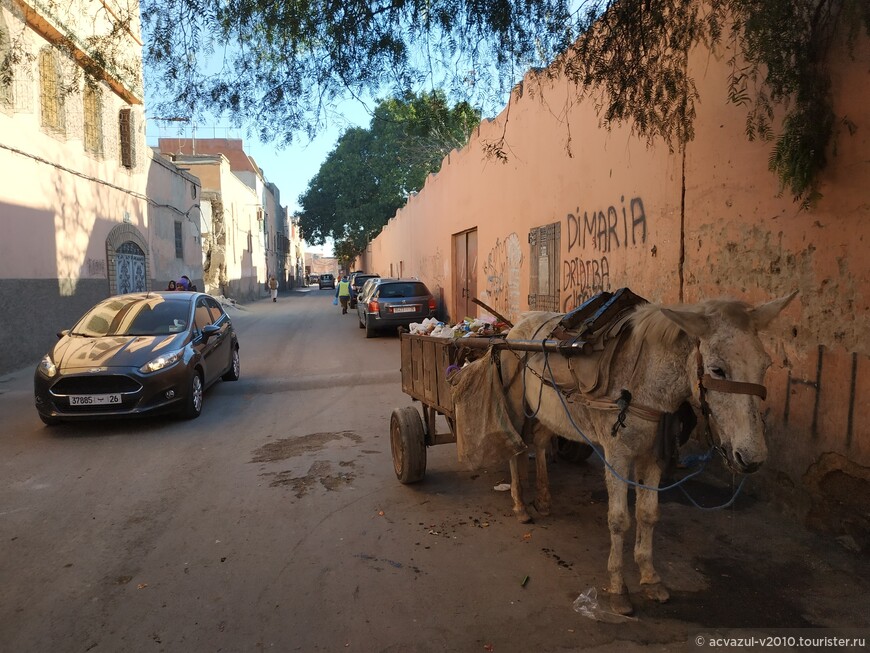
{"x":708,"y":354}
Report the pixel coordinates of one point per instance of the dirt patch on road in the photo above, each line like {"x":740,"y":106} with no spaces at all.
{"x":296,"y":446}
{"x":320,"y":472}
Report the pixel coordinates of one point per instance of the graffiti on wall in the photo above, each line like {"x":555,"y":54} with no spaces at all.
{"x":432,"y":268}
{"x":595,"y":234}
{"x":502,"y":273}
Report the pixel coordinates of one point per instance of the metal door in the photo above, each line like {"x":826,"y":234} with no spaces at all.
{"x":464,"y":274}
{"x":544,"y":244}
{"x":129,"y":269}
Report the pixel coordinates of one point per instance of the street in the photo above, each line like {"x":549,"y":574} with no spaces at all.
{"x":275,"y":522}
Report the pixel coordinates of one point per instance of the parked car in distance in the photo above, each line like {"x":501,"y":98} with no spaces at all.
{"x":326,"y":280}
{"x":313,"y":279}
{"x":357,"y":279}
{"x":391,"y":303}
{"x":138,"y":354}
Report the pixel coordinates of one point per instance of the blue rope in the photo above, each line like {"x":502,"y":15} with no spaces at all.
{"x":701,"y":459}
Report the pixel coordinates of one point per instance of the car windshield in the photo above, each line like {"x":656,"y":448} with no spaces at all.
{"x":402,"y":289}
{"x":133,"y":316}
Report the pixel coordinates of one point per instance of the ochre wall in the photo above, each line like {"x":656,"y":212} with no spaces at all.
{"x":624,"y":209}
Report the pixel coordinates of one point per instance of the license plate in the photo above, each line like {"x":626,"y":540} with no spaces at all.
{"x":404,"y":309}
{"x":94,"y":400}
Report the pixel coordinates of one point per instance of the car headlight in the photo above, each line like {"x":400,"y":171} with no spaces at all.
{"x":161,"y":362}
{"x":47,"y":367}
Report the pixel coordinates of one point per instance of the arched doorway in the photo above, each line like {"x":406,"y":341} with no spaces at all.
{"x":130,"y":269}
{"x":127,"y":254}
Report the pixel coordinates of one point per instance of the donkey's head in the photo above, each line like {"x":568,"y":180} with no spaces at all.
{"x":728,"y":368}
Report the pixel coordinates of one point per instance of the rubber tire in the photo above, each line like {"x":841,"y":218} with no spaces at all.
{"x":370,"y":332}
{"x":571,"y":450}
{"x":408,"y":444}
{"x":49,"y":421}
{"x":235,"y":368}
{"x":193,"y":406}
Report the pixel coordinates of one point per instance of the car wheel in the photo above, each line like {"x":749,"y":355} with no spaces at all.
{"x":232,"y":374}
{"x":370,"y":332}
{"x":193,"y":406}
{"x":49,"y":421}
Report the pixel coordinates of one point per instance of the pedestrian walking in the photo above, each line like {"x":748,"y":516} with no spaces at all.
{"x":342,"y":291}
{"x":273,"y":287}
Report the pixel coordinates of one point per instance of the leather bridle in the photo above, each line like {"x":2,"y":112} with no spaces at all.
{"x":707,"y":383}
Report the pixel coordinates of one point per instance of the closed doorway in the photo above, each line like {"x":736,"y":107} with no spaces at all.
{"x":464,"y":274}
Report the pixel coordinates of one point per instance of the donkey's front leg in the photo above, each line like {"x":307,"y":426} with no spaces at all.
{"x":619,"y":521}
{"x":541,"y":438}
{"x":519,"y":476}
{"x":647,"y":515}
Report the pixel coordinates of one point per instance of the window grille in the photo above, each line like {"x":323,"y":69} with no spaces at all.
{"x":50,"y":91}
{"x":7,"y":79}
{"x":125,"y":123}
{"x":93,"y":120}
{"x":179,"y":241}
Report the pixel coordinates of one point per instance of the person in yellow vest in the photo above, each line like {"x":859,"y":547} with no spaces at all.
{"x":273,"y":288}
{"x":342,"y":291}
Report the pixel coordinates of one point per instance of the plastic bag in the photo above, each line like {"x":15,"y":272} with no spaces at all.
{"x":587,"y":605}
{"x":335,"y":301}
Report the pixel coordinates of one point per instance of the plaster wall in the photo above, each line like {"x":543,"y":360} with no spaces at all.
{"x":675,"y":226}
{"x":174,"y":197}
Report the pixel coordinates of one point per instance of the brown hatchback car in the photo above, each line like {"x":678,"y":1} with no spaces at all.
{"x":138,"y":354}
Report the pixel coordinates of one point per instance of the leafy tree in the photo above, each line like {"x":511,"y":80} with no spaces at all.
{"x":371,"y":171}
{"x":290,"y":60}
{"x":279,"y":65}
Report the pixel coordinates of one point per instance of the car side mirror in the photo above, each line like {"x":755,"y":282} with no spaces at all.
{"x":209,"y":330}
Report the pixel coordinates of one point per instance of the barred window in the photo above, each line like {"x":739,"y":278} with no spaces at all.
{"x":125,"y":123}
{"x":179,"y":242}
{"x":50,"y":91}
{"x":7,"y":97}
{"x":93,"y":104}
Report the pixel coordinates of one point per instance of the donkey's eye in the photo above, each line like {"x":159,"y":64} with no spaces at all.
{"x":718,"y":372}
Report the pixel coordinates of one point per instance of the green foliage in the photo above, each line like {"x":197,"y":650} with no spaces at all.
{"x":371,"y":172}
{"x":279,"y":65}
{"x":632,"y":59}
{"x":345,"y":252}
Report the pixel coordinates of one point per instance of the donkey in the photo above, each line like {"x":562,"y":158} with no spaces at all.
{"x":708,"y":354}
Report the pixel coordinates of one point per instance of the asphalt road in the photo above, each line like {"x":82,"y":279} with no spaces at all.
{"x":274,"y":522}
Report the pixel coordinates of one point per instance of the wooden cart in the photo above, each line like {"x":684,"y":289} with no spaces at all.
{"x":425,"y":361}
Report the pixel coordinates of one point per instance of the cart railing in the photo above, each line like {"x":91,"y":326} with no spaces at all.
{"x":425,"y":360}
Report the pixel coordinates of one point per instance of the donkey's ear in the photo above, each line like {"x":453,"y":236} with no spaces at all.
{"x":692,"y":323}
{"x":764,"y":314}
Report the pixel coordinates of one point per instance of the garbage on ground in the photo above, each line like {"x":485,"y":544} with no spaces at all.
{"x":587,"y":605}
{"x":478,"y":327}
{"x":502,"y":487}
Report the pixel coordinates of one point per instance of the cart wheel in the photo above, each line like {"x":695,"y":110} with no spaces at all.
{"x":572,"y":451}
{"x":408,"y":444}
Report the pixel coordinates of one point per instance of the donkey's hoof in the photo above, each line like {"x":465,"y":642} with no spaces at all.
{"x":542,"y":508}
{"x":620,"y":604}
{"x":523,"y":516}
{"x":656,"y":592}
